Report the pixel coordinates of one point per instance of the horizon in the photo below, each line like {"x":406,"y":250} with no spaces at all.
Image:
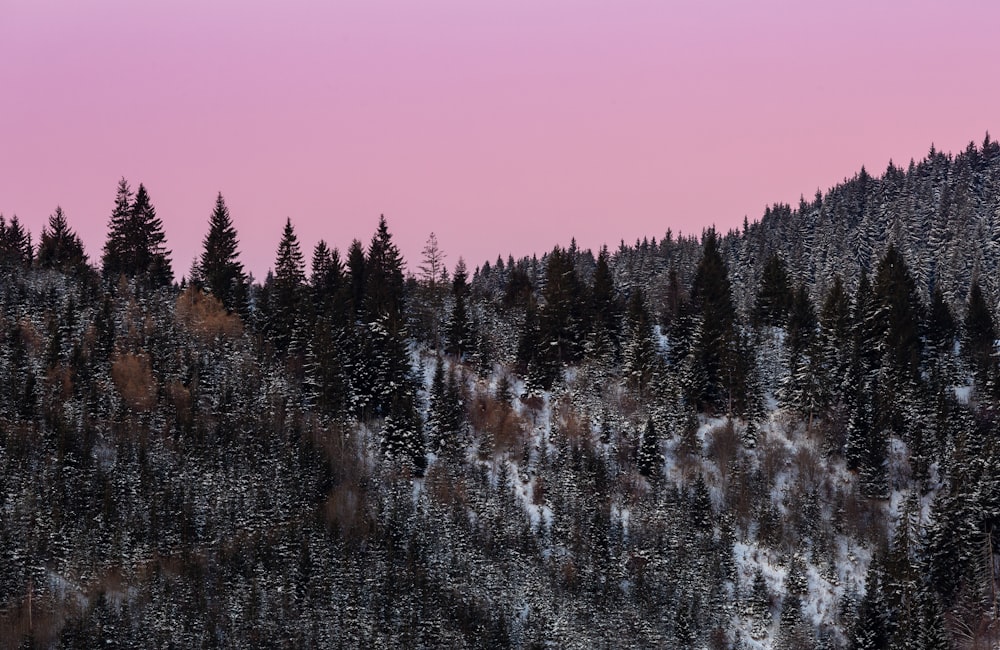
{"x":506,"y":130}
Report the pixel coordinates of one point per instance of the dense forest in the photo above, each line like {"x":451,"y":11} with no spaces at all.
{"x":784,"y":436}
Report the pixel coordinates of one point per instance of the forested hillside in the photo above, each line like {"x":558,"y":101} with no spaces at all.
{"x":782,"y":437}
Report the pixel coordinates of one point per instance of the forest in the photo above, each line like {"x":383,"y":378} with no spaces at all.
{"x":782,"y":436}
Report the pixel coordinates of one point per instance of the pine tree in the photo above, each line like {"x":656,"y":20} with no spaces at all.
{"x":459,"y":330}
{"x":219,"y":268}
{"x":59,"y":247}
{"x":384,"y":280}
{"x":650,"y":459}
{"x":327,"y":282}
{"x":716,"y":345}
{"x":979,"y":340}
{"x":775,"y":297}
{"x":801,"y":389}
{"x":285,"y":292}
{"x":136,"y":244}
{"x":605,"y":312}
{"x":640,"y":354}
{"x":356,"y":278}
{"x":835,"y":343}
{"x":560,"y":320}
{"x":873,"y":628}
{"x":15,"y":244}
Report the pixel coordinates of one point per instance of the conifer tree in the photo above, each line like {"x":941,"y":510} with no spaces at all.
{"x":135,"y":247}
{"x":650,"y":459}
{"x":873,"y":629}
{"x":979,"y":340}
{"x":715,"y":346}
{"x":605,"y":310}
{"x":640,"y":354}
{"x":560,"y":321}
{"x":775,"y":297}
{"x":59,"y":247}
{"x":285,"y":292}
{"x":15,"y":243}
{"x":835,"y":343}
{"x":384,"y":280}
{"x":801,"y":389}
{"x":459,"y":332}
{"x":219,"y":268}
{"x":327,"y":283}
{"x":356,"y":278}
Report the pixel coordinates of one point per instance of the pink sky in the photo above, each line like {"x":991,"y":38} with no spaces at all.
{"x":505,"y":127}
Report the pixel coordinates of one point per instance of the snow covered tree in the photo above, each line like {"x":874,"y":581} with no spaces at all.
{"x":835,"y":343}
{"x":640,"y":356}
{"x":721,"y":366}
{"x":286,"y":293}
{"x":979,"y":340}
{"x":873,"y":628}
{"x":219,"y":269}
{"x":650,"y":459}
{"x":459,"y":327}
{"x":560,"y":320}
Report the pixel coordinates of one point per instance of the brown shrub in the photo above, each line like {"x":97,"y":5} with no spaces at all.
{"x":133,"y":377}
{"x":503,"y":429}
{"x":205,"y":317}
{"x":723,"y":445}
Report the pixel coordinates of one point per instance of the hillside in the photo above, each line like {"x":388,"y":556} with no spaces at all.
{"x":783,"y":437}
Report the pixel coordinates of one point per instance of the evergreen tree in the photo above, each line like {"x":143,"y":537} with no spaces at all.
{"x":720,"y":364}
{"x":899,"y":317}
{"x":219,"y":268}
{"x":15,"y":244}
{"x":59,"y":247}
{"x":560,"y":321}
{"x":835,"y":343}
{"x":605,"y":308}
{"x":873,"y":628}
{"x":285,"y":292}
{"x":459,"y":333}
{"x":801,"y":389}
{"x":327,"y":282}
{"x":640,"y":354}
{"x":136,"y":244}
{"x":356,"y":278}
{"x":775,"y":297}
{"x":979,"y":341}
{"x":384,"y":280}
{"x":650,"y":456}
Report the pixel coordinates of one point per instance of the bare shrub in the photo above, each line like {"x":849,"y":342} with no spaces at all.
{"x":133,"y":377}
{"x":723,"y":445}
{"x":503,"y":429}
{"x":205,"y":317}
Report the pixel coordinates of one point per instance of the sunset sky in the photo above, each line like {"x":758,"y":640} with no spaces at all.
{"x":505,"y":127}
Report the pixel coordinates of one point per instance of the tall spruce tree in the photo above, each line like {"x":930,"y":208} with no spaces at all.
{"x":135,"y":247}
{"x":650,"y":458}
{"x":775,"y":297}
{"x":459,"y":327}
{"x":715,"y":344}
{"x":979,"y":341}
{"x":286,"y":292}
{"x":640,"y":356}
{"x":59,"y":247}
{"x":15,"y":243}
{"x":219,"y":268}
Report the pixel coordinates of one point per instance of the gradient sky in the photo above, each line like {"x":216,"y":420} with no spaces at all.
{"x":505,"y":127}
